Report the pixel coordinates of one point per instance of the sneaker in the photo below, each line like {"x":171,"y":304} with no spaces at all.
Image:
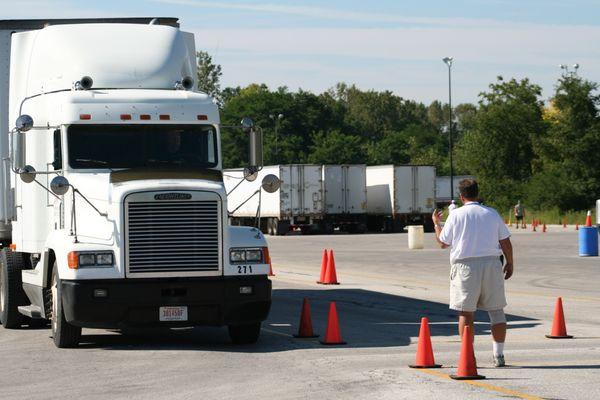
{"x":499,"y":361}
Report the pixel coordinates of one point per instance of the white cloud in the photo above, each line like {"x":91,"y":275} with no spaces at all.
{"x":400,"y":58}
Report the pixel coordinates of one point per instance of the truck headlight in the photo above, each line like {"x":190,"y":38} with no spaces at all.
{"x":254,"y":255}
{"x":90,"y":259}
{"x":104,"y":259}
{"x":87,"y":259}
{"x":237,"y":255}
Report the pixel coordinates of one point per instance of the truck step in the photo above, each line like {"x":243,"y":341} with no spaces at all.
{"x":31,"y":311}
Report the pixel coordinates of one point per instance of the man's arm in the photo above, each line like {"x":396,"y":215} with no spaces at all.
{"x":506,"y":246}
{"x":436,"y":217}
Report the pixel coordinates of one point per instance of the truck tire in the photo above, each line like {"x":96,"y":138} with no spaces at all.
{"x":11,"y":289}
{"x":282,"y":227}
{"x":244,"y":334}
{"x":64,"y":334}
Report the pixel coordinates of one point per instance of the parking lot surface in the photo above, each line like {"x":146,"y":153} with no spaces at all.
{"x":384,"y":291}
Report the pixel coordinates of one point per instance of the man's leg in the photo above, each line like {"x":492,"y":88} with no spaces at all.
{"x":498,"y":322}
{"x":465,"y":319}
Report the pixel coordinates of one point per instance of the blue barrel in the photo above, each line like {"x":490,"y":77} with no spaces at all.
{"x":588,"y":241}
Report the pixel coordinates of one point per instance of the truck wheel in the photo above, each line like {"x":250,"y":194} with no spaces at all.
{"x":64,"y":334}
{"x":281,"y":227}
{"x":244,"y":334}
{"x":11,"y":289}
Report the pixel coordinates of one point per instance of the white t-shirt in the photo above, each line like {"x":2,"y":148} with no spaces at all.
{"x":473,"y":230}
{"x":451,"y":207}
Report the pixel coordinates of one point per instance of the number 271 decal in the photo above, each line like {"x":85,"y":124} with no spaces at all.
{"x":244,"y":269}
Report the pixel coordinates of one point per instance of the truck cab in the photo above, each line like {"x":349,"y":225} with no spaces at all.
{"x":114,"y":210}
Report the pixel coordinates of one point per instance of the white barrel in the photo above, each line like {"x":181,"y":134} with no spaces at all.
{"x":415,"y":237}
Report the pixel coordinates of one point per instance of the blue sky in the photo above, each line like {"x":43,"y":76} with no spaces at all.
{"x":383,"y":45}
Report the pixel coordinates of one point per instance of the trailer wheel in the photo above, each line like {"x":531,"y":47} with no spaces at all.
{"x":244,"y":334}
{"x":64,"y":334}
{"x":11,"y":289}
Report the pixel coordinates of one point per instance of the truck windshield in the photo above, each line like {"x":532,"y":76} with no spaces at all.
{"x":134,"y":146}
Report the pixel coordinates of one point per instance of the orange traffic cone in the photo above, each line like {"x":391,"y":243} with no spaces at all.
{"x":424,"y":358}
{"x":544,"y":228}
{"x":559,"y":328}
{"x":330,"y":274}
{"x":588,"y":219}
{"x":332,"y":332}
{"x":305,"y":329}
{"x":323,"y":267}
{"x":467,"y":366}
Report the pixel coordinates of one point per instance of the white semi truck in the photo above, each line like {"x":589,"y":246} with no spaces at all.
{"x":113,"y":211}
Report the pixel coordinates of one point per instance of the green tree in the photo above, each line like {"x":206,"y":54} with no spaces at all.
{"x":572,"y":144}
{"x":335,"y":147}
{"x":498,"y":149}
{"x":209,"y":75}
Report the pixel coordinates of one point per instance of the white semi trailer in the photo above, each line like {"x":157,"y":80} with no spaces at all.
{"x":400,"y":195}
{"x":298,"y":203}
{"x":112,"y":206}
{"x":345,"y":196}
{"x":312,"y":198}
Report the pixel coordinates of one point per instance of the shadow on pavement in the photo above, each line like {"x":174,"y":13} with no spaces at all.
{"x":367,"y":319}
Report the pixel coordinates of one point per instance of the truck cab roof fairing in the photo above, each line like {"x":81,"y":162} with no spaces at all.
{"x":119,"y":56}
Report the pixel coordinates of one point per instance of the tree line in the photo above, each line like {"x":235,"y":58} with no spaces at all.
{"x":520,"y":147}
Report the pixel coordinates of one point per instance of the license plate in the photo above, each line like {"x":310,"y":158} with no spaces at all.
{"x":173,"y":313}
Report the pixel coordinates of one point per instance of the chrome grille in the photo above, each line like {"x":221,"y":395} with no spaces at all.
{"x":172,"y":236}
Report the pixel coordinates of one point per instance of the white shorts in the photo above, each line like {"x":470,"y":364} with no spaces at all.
{"x":477,"y":283}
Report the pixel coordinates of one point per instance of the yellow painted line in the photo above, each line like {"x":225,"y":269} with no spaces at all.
{"x":483,"y":385}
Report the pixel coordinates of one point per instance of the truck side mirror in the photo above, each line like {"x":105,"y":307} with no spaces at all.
{"x":255,"y":143}
{"x":18,"y":150}
{"x":23,"y":124}
{"x":27,"y":174}
{"x":271,"y":183}
{"x":59,"y":185}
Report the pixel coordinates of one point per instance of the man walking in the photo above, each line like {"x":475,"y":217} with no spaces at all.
{"x":520,"y":214}
{"x":477,"y":237}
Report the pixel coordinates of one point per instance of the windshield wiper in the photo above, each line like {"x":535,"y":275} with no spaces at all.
{"x":94,"y":162}
{"x":90,"y":161}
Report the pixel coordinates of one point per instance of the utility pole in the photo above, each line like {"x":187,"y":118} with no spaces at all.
{"x":448,"y":62}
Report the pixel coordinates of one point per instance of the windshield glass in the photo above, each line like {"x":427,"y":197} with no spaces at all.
{"x":134,"y":146}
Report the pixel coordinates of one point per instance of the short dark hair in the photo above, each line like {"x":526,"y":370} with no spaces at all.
{"x":468,"y":188}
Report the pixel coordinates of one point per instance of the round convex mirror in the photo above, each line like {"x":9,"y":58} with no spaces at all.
{"x":27,"y":174}
{"x":247,"y":124}
{"x":59,"y":185}
{"x":271,"y":183}
{"x":250,"y":174}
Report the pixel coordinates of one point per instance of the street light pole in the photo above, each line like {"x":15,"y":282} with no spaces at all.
{"x":448,"y":62}
{"x":276,"y":118}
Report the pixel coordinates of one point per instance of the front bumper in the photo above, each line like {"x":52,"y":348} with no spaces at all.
{"x":135,"y":302}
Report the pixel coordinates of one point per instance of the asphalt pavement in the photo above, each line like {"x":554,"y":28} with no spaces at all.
{"x":384,"y":290}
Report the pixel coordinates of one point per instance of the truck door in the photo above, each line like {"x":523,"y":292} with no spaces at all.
{"x":355,"y":189}
{"x":425,"y":189}
{"x":312,"y":189}
{"x":334,"y":190}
